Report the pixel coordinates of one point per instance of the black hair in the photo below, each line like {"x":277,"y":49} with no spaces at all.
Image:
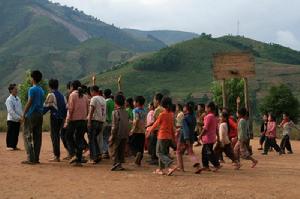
{"x":242,"y":112}
{"x":159,"y":97}
{"x":37,"y":76}
{"x":202,"y":105}
{"x":11,"y":87}
{"x":94,"y":89}
{"x":180,"y":107}
{"x":69,"y":85}
{"x":190,"y":106}
{"x":84,"y":89}
{"x":286,"y":114}
{"x":107,"y":93}
{"x":120,"y":100}
{"x":226,"y":116}
{"x":166,"y":103}
{"x":212,"y":106}
{"x":140,"y":99}
{"x":130,"y":102}
{"x":173,"y":108}
{"x":77,"y":86}
{"x":53,"y":84}
{"x":272,"y":116}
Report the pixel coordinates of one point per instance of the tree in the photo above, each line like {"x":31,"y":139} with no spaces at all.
{"x":280,"y":99}
{"x":23,"y":88}
{"x":234,"y":89}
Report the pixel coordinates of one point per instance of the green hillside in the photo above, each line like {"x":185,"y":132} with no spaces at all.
{"x":169,"y":37}
{"x":185,"y":68}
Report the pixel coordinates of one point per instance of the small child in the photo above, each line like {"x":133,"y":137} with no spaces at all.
{"x":224,"y":144}
{"x":287,"y":126}
{"x":137,"y":133}
{"x":271,"y":136}
{"x":185,"y":137}
{"x":119,"y":133}
{"x":208,"y":137}
{"x":241,"y":149}
{"x":165,"y":137}
{"x":263,"y":130}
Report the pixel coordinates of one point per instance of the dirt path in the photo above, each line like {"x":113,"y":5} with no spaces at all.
{"x":275,"y":177}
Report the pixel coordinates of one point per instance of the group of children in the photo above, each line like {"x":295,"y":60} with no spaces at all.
{"x":118,"y":127}
{"x":267,"y":139}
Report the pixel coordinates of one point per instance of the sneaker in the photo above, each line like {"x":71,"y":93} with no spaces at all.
{"x":290,"y":152}
{"x":138,"y":158}
{"x":9,"y":149}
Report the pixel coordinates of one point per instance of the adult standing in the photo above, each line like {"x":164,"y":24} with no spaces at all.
{"x":33,"y":122}
{"x":14,"y":118}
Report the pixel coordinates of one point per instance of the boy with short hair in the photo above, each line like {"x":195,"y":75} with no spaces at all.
{"x":33,"y":114}
{"x":96,"y":119}
{"x":14,"y":118}
{"x":137,"y":133}
{"x":56,"y":103}
{"x":119,"y":133}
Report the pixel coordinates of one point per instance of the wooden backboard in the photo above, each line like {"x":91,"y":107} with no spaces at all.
{"x":233,"y":65}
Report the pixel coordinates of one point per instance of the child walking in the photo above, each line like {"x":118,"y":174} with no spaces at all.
{"x":137,"y":133}
{"x":119,"y":133}
{"x":286,"y":126}
{"x":185,"y":137}
{"x":165,"y":137}
{"x":208,"y":138}
{"x":224,"y":144}
{"x":241,"y":148}
{"x":263,"y":130}
{"x":271,"y":136}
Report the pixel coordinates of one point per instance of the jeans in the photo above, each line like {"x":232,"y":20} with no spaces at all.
{"x":137,"y":143}
{"x":56,"y":126}
{"x":106,"y":135}
{"x":286,"y":144}
{"x":271,"y":142}
{"x":152,"y":145}
{"x":76,"y":130}
{"x":162,"y":152}
{"x":33,"y":136}
{"x":93,"y":133}
{"x":12,"y":136}
{"x":208,"y":155}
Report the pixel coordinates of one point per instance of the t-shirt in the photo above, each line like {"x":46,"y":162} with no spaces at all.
{"x":36,"y":94}
{"x":210,"y":126}
{"x":139,"y":120}
{"x":179,"y":119}
{"x":223,"y":133}
{"x":77,"y":107}
{"x":165,"y":122}
{"x":110,"y":106}
{"x":242,"y":130}
{"x":158,"y":111}
{"x":271,"y":129}
{"x":99,"y":103}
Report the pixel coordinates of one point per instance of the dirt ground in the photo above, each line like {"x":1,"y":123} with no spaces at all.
{"x":275,"y":177}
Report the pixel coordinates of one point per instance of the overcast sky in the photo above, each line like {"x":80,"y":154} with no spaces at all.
{"x":276,"y":21}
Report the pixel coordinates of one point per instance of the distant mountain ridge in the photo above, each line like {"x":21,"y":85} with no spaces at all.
{"x":169,"y":37}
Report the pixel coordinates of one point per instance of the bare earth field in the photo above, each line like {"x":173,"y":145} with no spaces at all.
{"x":275,"y":177}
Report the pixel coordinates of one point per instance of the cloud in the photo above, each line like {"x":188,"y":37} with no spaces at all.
{"x":259,"y":19}
{"x":287,"y":38}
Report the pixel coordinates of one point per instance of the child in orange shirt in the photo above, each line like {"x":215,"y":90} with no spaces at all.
{"x":165,"y":137}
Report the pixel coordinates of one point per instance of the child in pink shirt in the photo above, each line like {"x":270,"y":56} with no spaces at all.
{"x":271,"y":136}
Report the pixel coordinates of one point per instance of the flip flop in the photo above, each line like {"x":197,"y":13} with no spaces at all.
{"x":254,"y":164}
{"x":171,"y":171}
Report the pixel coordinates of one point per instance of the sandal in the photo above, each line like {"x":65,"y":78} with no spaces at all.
{"x":254,"y":164}
{"x":171,"y":171}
